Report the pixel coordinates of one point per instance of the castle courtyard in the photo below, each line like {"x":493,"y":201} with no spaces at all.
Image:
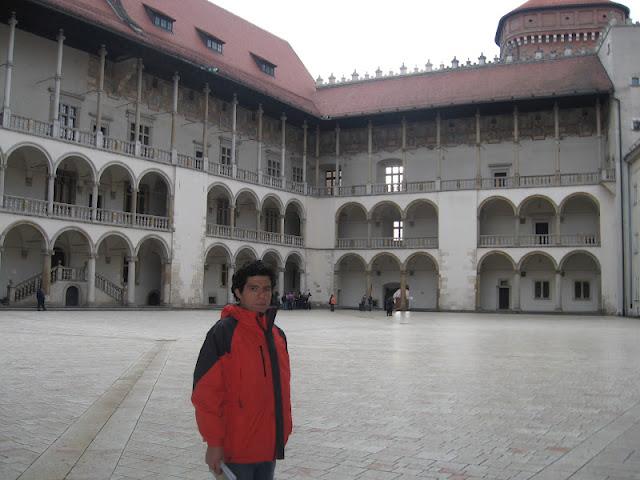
{"x":106,"y":395}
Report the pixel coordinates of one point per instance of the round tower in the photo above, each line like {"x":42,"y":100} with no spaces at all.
{"x":543,"y":28}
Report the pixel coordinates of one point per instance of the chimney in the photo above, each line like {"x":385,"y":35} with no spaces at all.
{"x":378,"y":73}
{"x":455,"y":63}
{"x":482,"y":60}
{"x":354,"y":76}
{"x":428,"y":67}
{"x":319,"y":80}
{"x":332,"y":79}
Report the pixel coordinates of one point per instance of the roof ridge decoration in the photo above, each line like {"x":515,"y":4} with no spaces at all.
{"x":121,"y":12}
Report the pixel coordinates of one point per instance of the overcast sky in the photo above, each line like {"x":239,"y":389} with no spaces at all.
{"x":338,"y":36}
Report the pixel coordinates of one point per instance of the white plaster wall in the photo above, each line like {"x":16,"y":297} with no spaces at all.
{"x":422,"y":164}
{"x":494,"y":155}
{"x":459,"y":163}
{"x":352,"y":286}
{"x":537,"y":157}
{"x":569,"y":303}
{"x":212,"y":284}
{"x":423,"y":288}
{"x":15,"y":183}
{"x":16,"y":268}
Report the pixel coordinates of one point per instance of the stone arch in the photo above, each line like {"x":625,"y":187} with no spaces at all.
{"x":79,"y":230}
{"x":132,"y":176}
{"x":385,"y":203}
{"x":417,"y":202}
{"x":297,"y":257}
{"x":497,"y":285}
{"x":574,"y":195}
{"x":270,"y":251}
{"x":216,"y":278}
{"x":568,"y":256}
{"x":45,"y":237}
{"x":114,"y":233}
{"x":298,"y":204}
{"x":351,"y":280}
{"x":293,"y":272}
{"x":161,"y":241}
{"x":495,"y":198}
{"x":82,"y":156}
{"x":35,"y":146}
{"x":526,"y":257}
{"x":224,"y":187}
{"x":350,"y":204}
{"x":536,"y":196}
{"x":385,"y":254}
{"x":415,"y":255}
{"x":423,"y":281}
{"x":248,"y":191}
{"x":160,"y":173}
{"x":506,"y":256}
{"x":276,"y":199}
{"x":219,"y":245}
{"x":581,"y":282}
{"x":246,"y":248}
{"x":351,"y":254}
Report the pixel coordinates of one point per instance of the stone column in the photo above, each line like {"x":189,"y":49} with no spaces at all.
{"x":230,"y":272}
{"x":337,"y":181}
{"x":166,"y":282}
{"x":170,"y":210}
{"x":369,"y":230}
{"x":336,"y":285}
{"x":103,"y":56}
{"x":516,"y":233}
{"x":404,"y":151}
{"x":304,"y":155}
{"x":258,"y":220}
{"x":516,"y":145}
{"x":439,"y":147}
{"x":50,"y":189}
{"x":234,"y":133}
{"x":317,"y":156}
{"x":601,"y":155}
{"x":403,"y":290}
{"x":205,"y":129}
{"x":368,"y":284}
{"x":283,"y":149}
{"x":558,"y":285}
{"x":260,"y":114}
{"x":556,"y":123}
{"x":134,"y":204}
{"x":515,"y":299}
{"x":58,"y":83}
{"x":558,"y":221}
{"x":2,"y":168}
{"x":91,"y":279}
{"x":232,"y":217}
{"x":94,"y":201}
{"x":478,"y":151}
{"x":46,"y":272}
{"x":131,"y":281}
{"x":281,"y":281}
{"x":303,"y":281}
{"x":174,"y":116}
{"x":370,"y":152}
{"x":6,"y":108}
{"x":281,"y":228}
{"x":136,"y":135}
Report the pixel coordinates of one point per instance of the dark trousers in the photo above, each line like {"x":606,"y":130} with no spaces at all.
{"x":333,"y":307}
{"x":253,"y":471}
{"x":41,"y":304}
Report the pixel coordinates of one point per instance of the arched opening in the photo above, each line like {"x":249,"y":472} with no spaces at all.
{"x":538,"y":283}
{"x":153,"y":195}
{"x":387,"y":226}
{"x":353,"y":227}
{"x":497,"y":223}
{"x":21,"y":262}
{"x":71,"y":253}
{"x":26,"y":182}
{"x":244,"y":257}
{"x":270,"y":215}
{"x":217,"y":281}
{"x":72,"y":296}
{"x":293,"y":220}
{"x":497,"y":283}
{"x":422,"y":282}
{"x":247,"y":212}
{"x":293,"y":274}
{"x":112,"y":269}
{"x":421,"y":225}
{"x":580,"y":221}
{"x":538,"y":222}
{"x":219,"y":212}
{"x":115,"y":195}
{"x":152,"y":261}
{"x":385,"y":277}
{"x":73,"y":188}
{"x":581,"y":283}
{"x":352,"y":282}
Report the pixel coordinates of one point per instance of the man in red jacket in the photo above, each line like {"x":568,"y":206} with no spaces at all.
{"x":241,"y":390}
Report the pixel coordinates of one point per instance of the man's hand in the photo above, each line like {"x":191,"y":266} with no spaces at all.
{"x":213,"y":458}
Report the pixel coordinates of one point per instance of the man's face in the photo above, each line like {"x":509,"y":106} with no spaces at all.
{"x":256,"y":294}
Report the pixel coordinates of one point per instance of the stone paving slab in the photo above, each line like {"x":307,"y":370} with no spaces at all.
{"x":424,"y":395}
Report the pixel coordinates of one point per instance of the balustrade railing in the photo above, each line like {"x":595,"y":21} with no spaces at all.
{"x":379,"y":188}
{"x":295,"y":187}
{"x":497,"y":241}
{"x":26,"y":288}
{"x":28,"y":125}
{"x":498,"y":182}
{"x":352,"y":190}
{"x":237,"y":233}
{"x":538,"y":180}
{"x":465,"y":184}
{"x":186,"y":161}
{"x":245,"y":234}
{"x":109,"y":288}
{"x":378,"y":243}
{"x":220,"y":230}
{"x":420,"y":187}
{"x":352,"y":243}
{"x":580,"y":240}
{"x":66,"y":210}
{"x":293,"y":240}
{"x":114,"y":217}
{"x":29,"y":206}
{"x":220,"y":169}
{"x":151,"y":221}
{"x":269,"y":181}
{"x":119,"y":146}
{"x":246,"y":175}
{"x":567,"y":179}
{"x":68,"y":274}
{"x":536,"y":240}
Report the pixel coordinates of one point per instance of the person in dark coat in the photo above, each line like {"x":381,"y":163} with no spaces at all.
{"x":388,"y":305}
{"x":40,"y":298}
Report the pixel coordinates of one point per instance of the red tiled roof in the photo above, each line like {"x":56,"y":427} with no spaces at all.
{"x":292,"y":83}
{"x":500,"y":82}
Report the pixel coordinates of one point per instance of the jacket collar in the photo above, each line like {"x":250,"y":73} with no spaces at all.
{"x":250,"y":318}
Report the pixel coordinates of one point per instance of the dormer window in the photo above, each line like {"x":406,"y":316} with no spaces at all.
{"x":212,"y":42}
{"x":265,"y":66}
{"x":160,"y":20}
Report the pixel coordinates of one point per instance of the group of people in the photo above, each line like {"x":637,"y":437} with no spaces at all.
{"x":293,"y":300}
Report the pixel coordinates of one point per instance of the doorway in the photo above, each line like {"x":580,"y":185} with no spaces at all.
{"x":503,"y":298}
{"x":542,"y":233}
{"x":72,"y":297}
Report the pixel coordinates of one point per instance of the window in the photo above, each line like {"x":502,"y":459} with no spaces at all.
{"x":103,"y":128}
{"x":162,"y":21}
{"x":398,"y":227}
{"x":635,"y":81}
{"x":68,"y":116}
{"x":271,"y":221}
{"x":224,"y":273}
{"x":225,"y":155}
{"x":581,"y":290}
{"x":500,"y":178}
{"x":393,"y":178}
{"x":214,"y":44}
{"x":264,"y":65}
{"x":273,"y":168}
{"x":222,"y":212}
{"x":636,"y":124}
{"x":144,"y":136}
{"x":541,"y":290}
{"x":297,"y":174}
{"x":330,"y":178}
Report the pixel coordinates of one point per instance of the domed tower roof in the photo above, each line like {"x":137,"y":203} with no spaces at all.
{"x":533,"y":7}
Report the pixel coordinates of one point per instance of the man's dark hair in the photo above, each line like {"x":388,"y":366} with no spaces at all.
{"x":253,"y":269}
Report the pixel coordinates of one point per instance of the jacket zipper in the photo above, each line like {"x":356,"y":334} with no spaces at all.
{"x":264,"y":367}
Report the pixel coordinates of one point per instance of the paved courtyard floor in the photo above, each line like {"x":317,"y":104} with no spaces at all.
{"x":105,"y":395}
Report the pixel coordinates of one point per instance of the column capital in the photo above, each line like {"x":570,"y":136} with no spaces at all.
{"x":132,"y":258}
{"x":13,"y":21}
{"x":51,"y":176}
{"x":102,"y":51}
{"x":176,"y":77}
{"x":403,"y":272}
{"x":304,"y":125}
{"x":206,"y":89}
{"x":166,"y":261}
{"x":235,"y":99}
{"x":283,"y":117}
{"x":337,"y":127}
{"x":61,"y":37}
{"x":260,"y":109}
{"x":92,"y":255}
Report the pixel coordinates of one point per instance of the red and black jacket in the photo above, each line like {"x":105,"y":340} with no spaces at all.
{"x":241,"y":390}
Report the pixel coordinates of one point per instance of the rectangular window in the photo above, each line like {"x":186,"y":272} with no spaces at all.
{"x":330,"y":178}
{"x":581,"y":290}
{"x":267,"y":68}
{"x":225,"y":155}
{"x":500,"y":178}
{"x":273,"y":168}
{"x":393,"y":178}
{"x":636,"y":125}
{"x":541,"y":290}
{"x":398,"y":227}
{"x":635,"y":81}
{"x":214,"y":44}
{"x":297,"y":174}
{"x":272,"y":220}
{"x":68,"y":116}
{"x":163,"y":22}
{"x":144,"y":136}
{"x":224,"y":273}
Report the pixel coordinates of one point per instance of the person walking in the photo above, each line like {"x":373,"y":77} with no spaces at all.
{"x":389,"y":303}
{"x":241,"y":382}
{"x":332,"y":302}
{"x":40,"y":298}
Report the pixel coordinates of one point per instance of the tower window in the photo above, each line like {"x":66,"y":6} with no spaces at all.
{"x":264,"y":65}
{"x":393,"y":178}
{"x":160,"y":20}
{"x":212,"y":42}
{"x":398,"y":229}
